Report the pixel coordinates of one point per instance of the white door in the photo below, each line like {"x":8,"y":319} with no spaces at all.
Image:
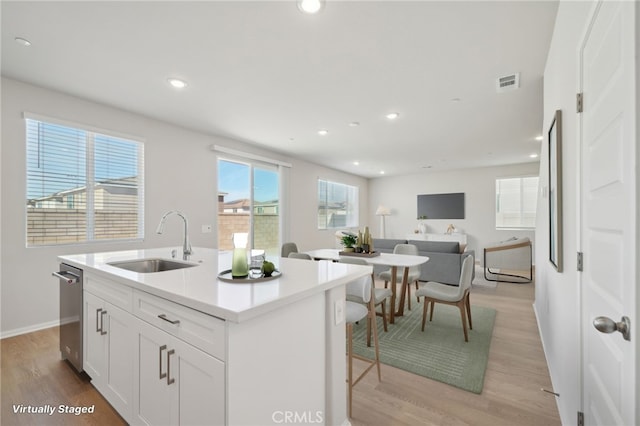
{"x":608,"y":207}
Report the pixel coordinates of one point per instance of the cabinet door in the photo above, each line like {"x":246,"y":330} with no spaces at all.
{"x":201,"y":381}
{"x":109,"y":337}
{"x":94,"y":342}
{"x":118,"y":380}
{"x":177,"y":384}
{"x":155,"y":400}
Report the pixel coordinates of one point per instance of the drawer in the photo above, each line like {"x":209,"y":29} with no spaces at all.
{"x":114,"y":293}
{"x":194,"y":327}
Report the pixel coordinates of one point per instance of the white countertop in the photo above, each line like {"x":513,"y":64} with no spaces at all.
{"x":199,"y":288}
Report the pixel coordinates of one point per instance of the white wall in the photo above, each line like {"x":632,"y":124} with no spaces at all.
{"x":304,"y":208}
{"x":180,"y":173}
{"x":557,"y":294}
{"x":399,"y":193}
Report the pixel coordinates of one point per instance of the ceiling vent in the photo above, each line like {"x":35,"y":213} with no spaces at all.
{"x":508,"y":82}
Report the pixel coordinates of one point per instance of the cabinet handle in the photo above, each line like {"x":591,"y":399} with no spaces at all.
{"x":169,"y":379}
{"x":162,"y":375}
{"x":97,"y":319}
{"x":164,"y":317}
{"x":102,"y":331}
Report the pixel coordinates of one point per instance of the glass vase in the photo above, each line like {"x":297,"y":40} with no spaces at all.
{"x":239,"y":264}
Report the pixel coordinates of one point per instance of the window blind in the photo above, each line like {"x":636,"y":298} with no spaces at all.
{"x":82,"y":185}
{"x":337,"y":205}
{"x":516,"y":200}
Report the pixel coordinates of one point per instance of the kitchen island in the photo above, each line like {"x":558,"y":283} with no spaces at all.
{"x":183,"y":347}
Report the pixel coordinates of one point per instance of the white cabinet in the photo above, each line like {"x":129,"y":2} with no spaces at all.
{"x":177,"y":384}
{"x":108,"y":337}
{"x":152,"y":367}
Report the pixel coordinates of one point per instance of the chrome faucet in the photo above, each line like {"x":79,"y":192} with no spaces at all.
{"x":186,"y":245}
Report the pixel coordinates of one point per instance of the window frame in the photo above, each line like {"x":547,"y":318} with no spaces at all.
{"x":354,"y":213}
{"x":88,"y":229}
{"x":520,"y":226}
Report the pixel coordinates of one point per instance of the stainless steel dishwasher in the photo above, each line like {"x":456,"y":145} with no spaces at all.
{"x":70,"y":314}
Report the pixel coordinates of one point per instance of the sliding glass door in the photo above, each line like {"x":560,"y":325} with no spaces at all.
{"x":248,"y":201}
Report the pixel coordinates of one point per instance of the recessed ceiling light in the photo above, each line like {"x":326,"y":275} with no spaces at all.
{"x":539,"y":138}
{"x":22,"y":41}
{"x":310,"y":6}
{"x":354,"y":124}
{"x":177,"y":83}
{"x":392,"y":115}
{"x":381,"y":172}
{"x":533,"y":156}
{"x":356,"y":163}
{"x":323,"y":132}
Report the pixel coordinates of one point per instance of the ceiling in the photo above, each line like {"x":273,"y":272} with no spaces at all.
{"x":265,"y":73}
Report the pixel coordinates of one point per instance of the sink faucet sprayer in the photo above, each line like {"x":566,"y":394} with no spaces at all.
{"x":186,"y":245}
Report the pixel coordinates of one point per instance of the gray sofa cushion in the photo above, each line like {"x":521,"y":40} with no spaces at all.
{"x":437,"y":246}
{"x":385,"y":245}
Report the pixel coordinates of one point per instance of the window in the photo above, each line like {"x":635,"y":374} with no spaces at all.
{"x":249,"y":201}
{"x":516,"y":202}
{"x":337,"y":205}
{"x":81,"y":185}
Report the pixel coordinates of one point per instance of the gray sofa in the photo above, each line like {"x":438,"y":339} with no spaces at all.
{"x":445,"y":259}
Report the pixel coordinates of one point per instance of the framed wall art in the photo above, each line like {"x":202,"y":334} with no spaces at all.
{"x":555,"y":191}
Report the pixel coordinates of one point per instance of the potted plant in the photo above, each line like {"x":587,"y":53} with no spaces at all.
{"x":348,"y":240}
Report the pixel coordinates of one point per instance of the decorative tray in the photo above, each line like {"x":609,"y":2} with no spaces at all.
{"x":353,"y":253}
{"x":249,"y":279}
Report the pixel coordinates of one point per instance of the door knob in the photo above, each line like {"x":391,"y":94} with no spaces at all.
{"x":607,"y":325}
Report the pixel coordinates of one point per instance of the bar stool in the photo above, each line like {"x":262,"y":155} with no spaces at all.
{"x":355,"y":312}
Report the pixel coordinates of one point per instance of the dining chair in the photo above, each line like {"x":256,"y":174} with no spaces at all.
{"x":288,"y":248}
{"x":414,"y":271}
{"x":380,"y":296}
{"x":294,"y":255}
{"x":451,"y":295}
{"x":354,"y":312}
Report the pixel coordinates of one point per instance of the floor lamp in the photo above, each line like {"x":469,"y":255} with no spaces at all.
{"x":382,"y":212}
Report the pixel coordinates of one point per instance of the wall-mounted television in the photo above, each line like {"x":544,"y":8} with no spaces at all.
{"x":441,"y":206}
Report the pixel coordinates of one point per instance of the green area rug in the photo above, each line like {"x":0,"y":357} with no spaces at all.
{"x":440,"y":352}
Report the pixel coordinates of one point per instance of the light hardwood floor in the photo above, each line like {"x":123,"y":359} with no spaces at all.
{"x":516,"y":371}
{"x":32,"y":374}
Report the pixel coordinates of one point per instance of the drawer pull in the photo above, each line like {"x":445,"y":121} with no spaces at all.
{"x":98,"y":330}
{"x":169,"y":379}
{"x":162,"y":375}
{"x":102,"y":330}
{"x":164,"y":317}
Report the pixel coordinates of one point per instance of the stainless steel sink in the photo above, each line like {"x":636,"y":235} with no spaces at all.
{"x":147,"y":266}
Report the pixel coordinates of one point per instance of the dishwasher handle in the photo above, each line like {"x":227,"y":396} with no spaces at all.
{"x":64,"y":275}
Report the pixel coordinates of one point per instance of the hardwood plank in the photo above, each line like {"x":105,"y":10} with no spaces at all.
{"x":34,"y":375}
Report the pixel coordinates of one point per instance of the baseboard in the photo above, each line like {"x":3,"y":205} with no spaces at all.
{"x":546,"y":359}
{"x":35,"y":327}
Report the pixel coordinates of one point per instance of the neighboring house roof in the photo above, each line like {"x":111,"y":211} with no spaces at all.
{"x":121,"y":186}
{"x":238,"y":204}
